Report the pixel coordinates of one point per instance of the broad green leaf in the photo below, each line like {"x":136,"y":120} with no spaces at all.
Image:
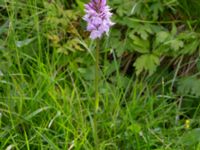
{"x":87,"y":73}
{"x":162,"y":36}
{"x":146,"y":62}
{"x":80,"y":5}
{"x":156,"y":8}
{"x":189,"y":86}
{"x":191,"y":137}
{"x":140,"y":45}
{"x":176,"y":44}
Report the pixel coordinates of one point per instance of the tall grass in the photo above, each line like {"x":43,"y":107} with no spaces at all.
{"x":47,"y":103}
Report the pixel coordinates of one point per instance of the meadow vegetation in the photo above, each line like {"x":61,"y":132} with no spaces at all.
{"x":149,"y":83}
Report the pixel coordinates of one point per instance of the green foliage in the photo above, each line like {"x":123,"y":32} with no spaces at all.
{"x":60,"y":26}
{"x":190,"y":8}
{"x":190,"y":138}
{"x":147,"y":62}
{"x":150,"y":29}
{"x":149,"y":75}
{"x":189,"y":86}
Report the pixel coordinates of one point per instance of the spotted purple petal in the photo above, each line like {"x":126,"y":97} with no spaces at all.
{"x":98,"y":18}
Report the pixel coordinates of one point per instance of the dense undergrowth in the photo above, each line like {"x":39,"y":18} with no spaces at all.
{"x":149,"y":87}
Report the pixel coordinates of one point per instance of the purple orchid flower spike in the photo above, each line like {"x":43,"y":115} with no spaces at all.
{"x":98,"y":18}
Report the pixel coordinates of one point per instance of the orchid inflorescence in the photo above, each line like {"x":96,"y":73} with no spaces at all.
{"x":98,"y":18}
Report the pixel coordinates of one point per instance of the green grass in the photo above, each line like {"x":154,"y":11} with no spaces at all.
{"x":47,"y":98}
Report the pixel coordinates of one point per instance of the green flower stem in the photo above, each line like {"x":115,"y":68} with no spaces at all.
{"x":96,"y":82}
{"x":97,"y":71}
